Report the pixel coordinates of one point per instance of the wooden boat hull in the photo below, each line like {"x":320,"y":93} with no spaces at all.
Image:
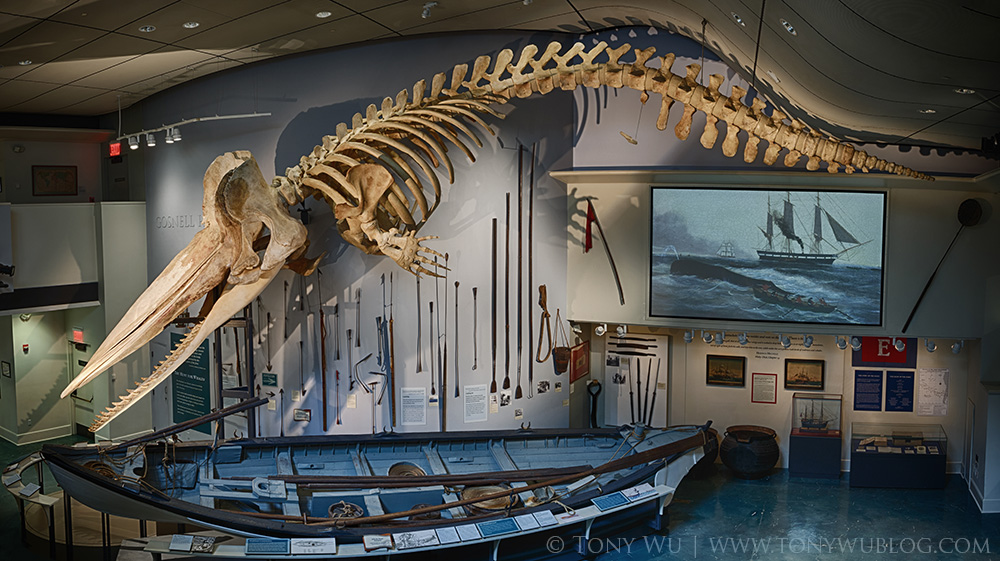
{"x":209,"y":485}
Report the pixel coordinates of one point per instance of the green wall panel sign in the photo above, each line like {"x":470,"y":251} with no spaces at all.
{"x":191,"y":386}
{"x":269,"y":379}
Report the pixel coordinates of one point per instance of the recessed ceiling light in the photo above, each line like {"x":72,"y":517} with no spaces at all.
{"x":788,"y":27}
{"x":738,"y":19}
{"x":927,"y":111}
{"x":191,"y":24}
{"x":24,"y":62}
{"x":964,"y":91}
{"x":148,"y":28}
{"x":322,"y":15}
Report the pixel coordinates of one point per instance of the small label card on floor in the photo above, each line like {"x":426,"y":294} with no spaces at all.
{"x":526,"y":522}
{"x":468,"y":532}
{"x":545,"y":518}
{"x":608,"y":502}
{"x":181,"y":542}
{"x":411,"y":540}
{"x":305,"y":546}
{"x":639,"y":492}
{"x":447,"y":535}
{"x":266,"y":546}
{"x":497,"y":527}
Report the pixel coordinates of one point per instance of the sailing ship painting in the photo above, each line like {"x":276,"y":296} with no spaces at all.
{"x":767,"y":255}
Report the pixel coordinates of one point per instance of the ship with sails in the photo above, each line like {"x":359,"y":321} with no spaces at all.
{"x":782,"y":240}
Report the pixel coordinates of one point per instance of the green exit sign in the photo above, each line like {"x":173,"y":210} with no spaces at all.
{"x":269,"y":379}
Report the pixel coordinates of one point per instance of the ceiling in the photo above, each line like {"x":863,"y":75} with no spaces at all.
{"x":894,"y":71}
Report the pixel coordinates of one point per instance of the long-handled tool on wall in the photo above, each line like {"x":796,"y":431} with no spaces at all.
{"x":420,"y":350}
{"x":436,"y":339}
{"x":531,"y":259}
{"x":475,"y":327}
{"x":430,"y":329}
{"x":645,"y":399}
{"x":392,"y":362}
{"x":544,"y":324}
{"x":322,"y":341}
{"x":506,"y":300}
{"x":588,"y":244}
{"x":357,"y":317}
{"x":656,"y":385}
{"x":336,"y":331}
{"x":457,"y":337}
{"x":443,"y":334}
{"x":493,"y":322}
{"x":520,"y":260}
{"x":631,"y":396}
{"x":350,"y":361}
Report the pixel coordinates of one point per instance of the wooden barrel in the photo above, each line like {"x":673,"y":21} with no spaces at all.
{"x":750,"y":451}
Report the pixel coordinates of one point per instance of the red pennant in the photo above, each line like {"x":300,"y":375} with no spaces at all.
{"x":591,"y":217}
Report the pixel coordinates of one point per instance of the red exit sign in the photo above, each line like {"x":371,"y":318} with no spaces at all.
{"x":115,"y":149}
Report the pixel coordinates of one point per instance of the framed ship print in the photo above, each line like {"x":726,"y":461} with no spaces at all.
{"x":804,"y":374}
{"x":762,"y":254}
{"x":723,"y":370}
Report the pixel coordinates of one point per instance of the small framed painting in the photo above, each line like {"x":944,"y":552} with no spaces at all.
{"x":53,"y":180}
{"x":723,"y":370}
{"x":803,"y":374}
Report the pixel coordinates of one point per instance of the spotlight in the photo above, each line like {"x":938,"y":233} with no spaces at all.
{"x":600,"y":330}
{"x":720,"y":337}
{"x":957,"y":347}
{"x":169,"y":137}
{"x":931,"y":345}
{"x":689,"y":336}
{"x":177,"y":134}
{"x":621,"y":330}
{"x":807,"y":341}
{"x":785,"y":341}
{"x":133,"y":142}
{"x":899,"y":344}
{"x":427,"y":9}
{"x":743,"y":338}
{"x":150,"y":140}
{"x":706,"y":337}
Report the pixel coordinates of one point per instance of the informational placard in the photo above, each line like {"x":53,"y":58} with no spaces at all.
{"x":899,"y":391}
{"x":764,"y":388}
{"x":934,"y":388}
{"x":190,"y":386}
{"x":867,"y":390}
{"x":475,"y":403}
{"x":269,"y":379}
{"x":413,"y":406}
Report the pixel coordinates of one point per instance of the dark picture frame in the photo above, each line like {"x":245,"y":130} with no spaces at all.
{"x":53,"y":181}
{"x":805,"y":374}
{"x":788,"y":255}
{"x":5,"y":367}
{"x":725,"y":370}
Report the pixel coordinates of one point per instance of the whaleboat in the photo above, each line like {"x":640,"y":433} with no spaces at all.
{"x":417,"y":487}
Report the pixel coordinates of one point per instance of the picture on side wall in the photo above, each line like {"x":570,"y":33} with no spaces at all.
{"x":803,"y":374}
{"x":723,"y":370}
{"x":53,"y":180}
{"x":767,"y":255}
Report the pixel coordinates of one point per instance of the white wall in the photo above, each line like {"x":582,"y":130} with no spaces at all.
{"x":17,"y":170}
{"x":46,"y":255}
{"x":40,"y":375}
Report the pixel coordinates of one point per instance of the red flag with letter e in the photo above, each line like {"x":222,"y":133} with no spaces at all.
{"x":588,"y":243}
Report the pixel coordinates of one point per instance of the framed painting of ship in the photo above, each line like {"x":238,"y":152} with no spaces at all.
{"x":770,"y":255}
{"x":801,"y":374}
{"x":721,"y":370}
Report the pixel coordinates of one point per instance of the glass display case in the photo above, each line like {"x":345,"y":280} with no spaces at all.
{"x":886,"y":438}
{"x":911,"y":456}
{"x":816,"y":414}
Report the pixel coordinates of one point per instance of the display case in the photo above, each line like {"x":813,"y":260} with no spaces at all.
{"x":814,"y":449}
{"x":816,"y":414}
{"x":898,"y":455}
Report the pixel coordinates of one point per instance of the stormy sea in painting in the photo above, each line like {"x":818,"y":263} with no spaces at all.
{"x":834,"y":294}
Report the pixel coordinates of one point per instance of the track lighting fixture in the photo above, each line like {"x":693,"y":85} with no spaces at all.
{"x":856,"y":343}
{"x":957,"y":346}
{"x":931,"y":345}
{"x":841,"y":342}
{"x":169,"y":137}
{"x":133,"y":142}
{"x":706,"y":337}
{"x":720,"y":337}
{"x":900,"y":344}
{"x":621,"y":330}
{"x":426,"y":13}
{"x":784,"y":340}
{"x":807,"y":341}
{"x":150,"y":140}
{"x":177,"y":134}
{"x":743,"y":338}
{"x":600,"y":330}
{"x":689,"y":336}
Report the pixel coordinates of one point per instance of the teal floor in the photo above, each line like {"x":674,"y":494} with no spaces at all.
{"x":717,"y":516}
